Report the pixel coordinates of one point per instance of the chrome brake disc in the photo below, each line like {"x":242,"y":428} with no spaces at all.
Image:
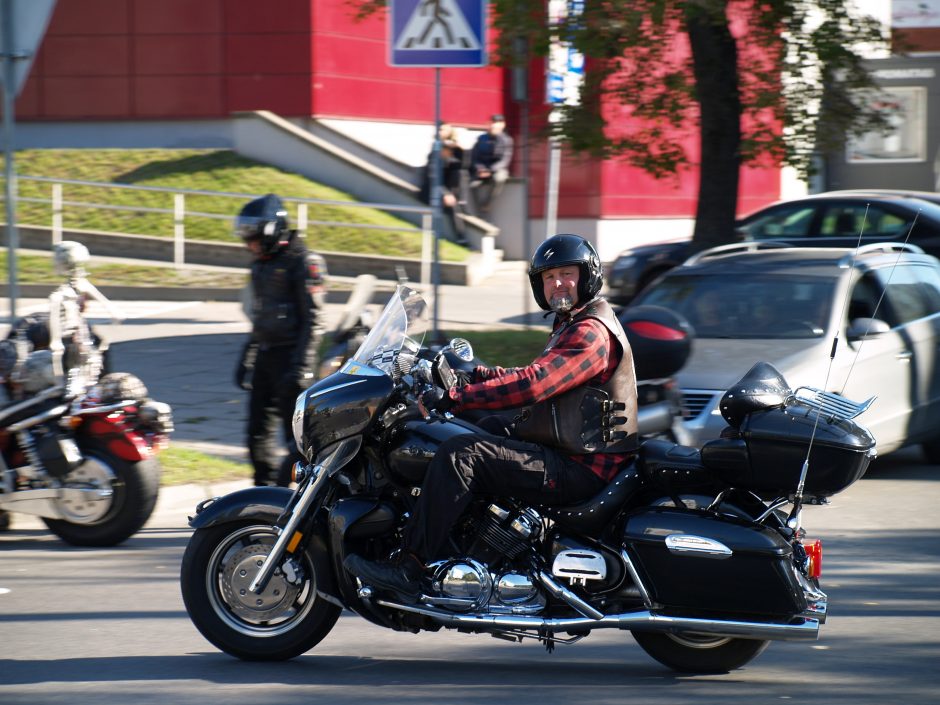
{"x":275,"y":600}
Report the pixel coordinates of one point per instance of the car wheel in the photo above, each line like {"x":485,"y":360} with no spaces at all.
{"x":932,"y":451}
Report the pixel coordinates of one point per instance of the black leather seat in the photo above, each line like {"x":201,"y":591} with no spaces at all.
{"x":669,"y":464}
{"x":591,"y":516}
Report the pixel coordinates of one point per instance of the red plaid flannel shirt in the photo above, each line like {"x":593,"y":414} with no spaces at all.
{"x":583,"y":353}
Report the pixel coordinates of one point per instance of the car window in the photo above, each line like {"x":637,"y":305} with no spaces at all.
{"x":790,"y":221}
{"x":854,"y":219}
{"x":912,"y":291}
{"x":747,"y":306}
{"x":866,"y":299}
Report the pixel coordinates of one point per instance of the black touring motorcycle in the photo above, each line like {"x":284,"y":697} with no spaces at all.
{"x":690,"y":550}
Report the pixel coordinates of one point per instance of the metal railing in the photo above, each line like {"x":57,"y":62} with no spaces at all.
{"x":59,"y":203}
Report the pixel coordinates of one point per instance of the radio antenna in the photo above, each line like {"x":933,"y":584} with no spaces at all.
{"x":798,"y":497}
{"x":878,"y":303}
{"x":804,"y":471}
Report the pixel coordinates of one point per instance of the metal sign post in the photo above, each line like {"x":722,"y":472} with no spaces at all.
{"x":22,"y":24}
{"x":564,"y":78}
{"x":437,"y":33}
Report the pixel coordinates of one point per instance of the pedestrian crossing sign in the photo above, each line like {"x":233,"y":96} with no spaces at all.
{"x":437,"y":33}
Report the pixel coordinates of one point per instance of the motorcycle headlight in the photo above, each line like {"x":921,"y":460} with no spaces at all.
{"x":297,"y":423}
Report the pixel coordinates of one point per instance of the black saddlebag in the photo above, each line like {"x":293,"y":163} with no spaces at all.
{"x":703,"y":563}
{"x":766,"y":455}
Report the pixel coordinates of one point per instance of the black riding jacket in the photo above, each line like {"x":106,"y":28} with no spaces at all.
{"x":288,"y":294}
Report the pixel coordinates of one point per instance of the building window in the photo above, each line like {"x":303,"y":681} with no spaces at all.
{"x":906,"y":141}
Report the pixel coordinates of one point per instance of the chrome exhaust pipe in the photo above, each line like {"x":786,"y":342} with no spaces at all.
{"x":797,"y":629}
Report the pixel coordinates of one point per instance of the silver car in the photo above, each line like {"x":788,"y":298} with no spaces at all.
{"x":879,"y":306}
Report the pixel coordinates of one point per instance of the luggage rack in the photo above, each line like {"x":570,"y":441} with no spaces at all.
{"x":830,"y":403}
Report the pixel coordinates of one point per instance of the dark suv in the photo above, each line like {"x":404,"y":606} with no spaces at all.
{"x":832,"y":219}
{"x":786,"y":305}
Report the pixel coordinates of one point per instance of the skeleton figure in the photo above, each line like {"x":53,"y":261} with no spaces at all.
{"x":60,"y":349}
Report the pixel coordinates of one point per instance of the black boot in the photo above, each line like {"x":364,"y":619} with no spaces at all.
{"x":402,"y":576}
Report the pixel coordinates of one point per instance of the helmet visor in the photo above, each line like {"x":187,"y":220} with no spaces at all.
{"x":249,"y":227}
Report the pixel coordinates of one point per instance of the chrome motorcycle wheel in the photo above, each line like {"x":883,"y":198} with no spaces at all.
{"x":286,"y":619}
{"x":129,"y":496}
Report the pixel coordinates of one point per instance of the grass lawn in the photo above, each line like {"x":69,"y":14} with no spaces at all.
{"x":37,"y":269}
{"x":199,"y":170}
{"x":182,"y":466}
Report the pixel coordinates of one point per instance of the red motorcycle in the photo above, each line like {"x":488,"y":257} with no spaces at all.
{"x":85,"y":463}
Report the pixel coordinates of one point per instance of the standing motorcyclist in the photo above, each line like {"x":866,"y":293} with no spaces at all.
{"x":279,"y":360}
{"x":577,"y":430}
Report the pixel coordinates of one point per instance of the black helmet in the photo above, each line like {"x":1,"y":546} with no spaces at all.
{"x":264,"y":219}
{"x":558,"y":251}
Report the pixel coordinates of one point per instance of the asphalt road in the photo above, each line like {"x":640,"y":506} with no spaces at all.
{"x":108,"y":627}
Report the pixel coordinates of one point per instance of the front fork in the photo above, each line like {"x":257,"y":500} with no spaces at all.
{"x":289,"y":536}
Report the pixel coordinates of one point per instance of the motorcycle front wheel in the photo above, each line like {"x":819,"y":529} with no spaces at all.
{"x":285,"y":620}
{"x":690,"y":652}
{"x":108,"y":521}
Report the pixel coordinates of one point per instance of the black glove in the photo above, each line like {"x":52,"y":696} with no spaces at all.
{"x":243,"y":374}
{"x":246,"y":367}
{"x":436,"y":399}
{"x":463,"y":378}
{"x":293,"y":382}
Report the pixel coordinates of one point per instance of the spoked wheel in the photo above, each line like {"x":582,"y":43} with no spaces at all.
{"x":693,"y":652}
{"x":286,"y":619}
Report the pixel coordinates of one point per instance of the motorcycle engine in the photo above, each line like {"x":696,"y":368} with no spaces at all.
{"x":467,"y":584}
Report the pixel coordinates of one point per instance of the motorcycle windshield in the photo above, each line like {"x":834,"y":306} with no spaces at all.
{"x":393,"y":343}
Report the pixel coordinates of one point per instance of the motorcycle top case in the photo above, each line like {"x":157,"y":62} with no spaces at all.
{"x":767,"y":454}
{"x":701,"y":562}
{"x":661,"y":340}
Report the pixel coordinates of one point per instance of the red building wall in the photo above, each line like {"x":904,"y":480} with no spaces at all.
{"x":204,"y":59}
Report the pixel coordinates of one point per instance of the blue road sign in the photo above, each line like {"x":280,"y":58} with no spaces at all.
{"x":437,"y":33}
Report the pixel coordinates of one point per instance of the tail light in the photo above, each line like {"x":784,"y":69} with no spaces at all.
{"x":656,"y":331}
{"x":814,"y":555}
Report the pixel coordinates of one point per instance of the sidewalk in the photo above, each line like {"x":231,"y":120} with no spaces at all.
{"x":186,"y":351}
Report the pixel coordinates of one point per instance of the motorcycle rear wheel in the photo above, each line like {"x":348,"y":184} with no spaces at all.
{"x":699,"y":653}
{"x":282,"y":622}
{"x":135,"y":487}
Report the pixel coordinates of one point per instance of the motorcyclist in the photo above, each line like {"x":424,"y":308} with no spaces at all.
{"x":280,"y":357}
{"x":584,"y":378}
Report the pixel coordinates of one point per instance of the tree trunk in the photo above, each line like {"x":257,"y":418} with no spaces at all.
{"x":714,"y":60}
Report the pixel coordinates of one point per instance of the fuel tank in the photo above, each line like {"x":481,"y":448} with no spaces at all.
{"x":411,"y":448}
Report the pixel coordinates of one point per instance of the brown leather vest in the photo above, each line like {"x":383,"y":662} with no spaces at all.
{"x":592,"y":418}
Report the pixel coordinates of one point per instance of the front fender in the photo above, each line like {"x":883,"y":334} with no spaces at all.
{"x":262,"y":503}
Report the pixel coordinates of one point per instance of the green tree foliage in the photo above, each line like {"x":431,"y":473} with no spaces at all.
{"x":763,"y":82}
{"x":770,"y":82}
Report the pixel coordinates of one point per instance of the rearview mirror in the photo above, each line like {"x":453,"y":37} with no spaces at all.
{"x":865,"y":328}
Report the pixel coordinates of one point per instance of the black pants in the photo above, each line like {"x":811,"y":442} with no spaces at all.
{"x":471,"y":464}
{"x":270,"y":409}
